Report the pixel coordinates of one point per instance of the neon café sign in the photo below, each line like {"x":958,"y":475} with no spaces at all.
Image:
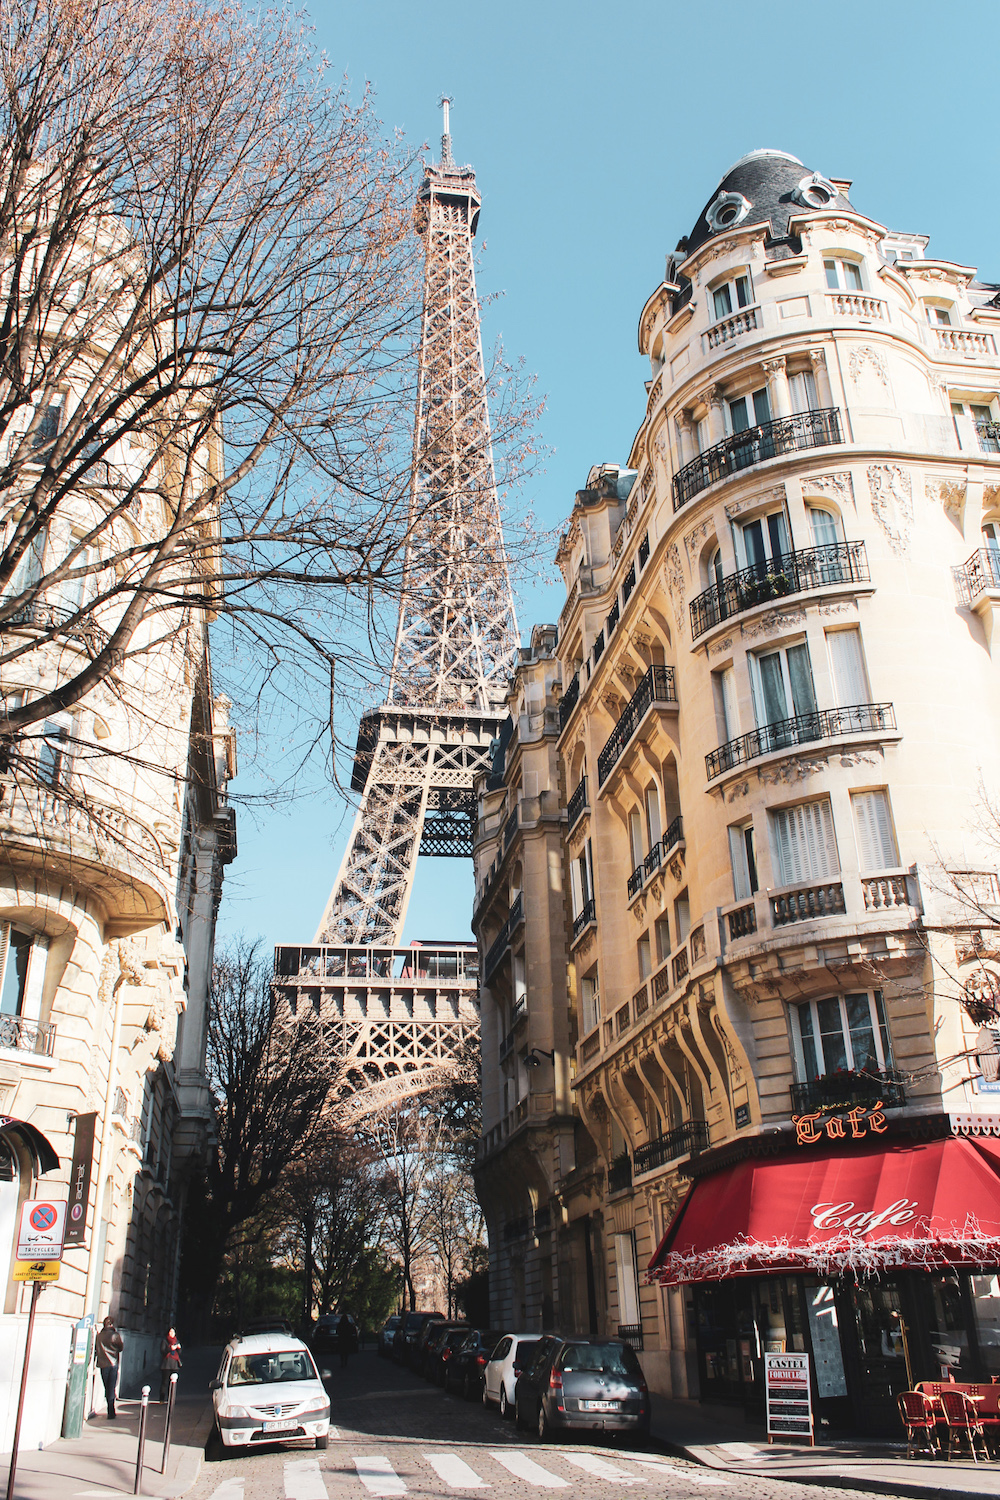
{"x":847,"y":1125}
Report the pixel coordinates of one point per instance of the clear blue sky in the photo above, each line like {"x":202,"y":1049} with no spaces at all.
{"x":597,"y":133}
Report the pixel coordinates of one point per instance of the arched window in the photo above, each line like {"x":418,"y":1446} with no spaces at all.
{"x":825,"y":527}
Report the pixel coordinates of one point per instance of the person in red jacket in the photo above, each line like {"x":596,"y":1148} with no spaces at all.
{"x":170,"y":1360}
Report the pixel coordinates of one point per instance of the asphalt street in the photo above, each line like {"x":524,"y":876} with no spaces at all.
{"x":394,"y":1435}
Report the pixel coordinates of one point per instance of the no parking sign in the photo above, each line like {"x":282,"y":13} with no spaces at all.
{"x":40,"y":1232}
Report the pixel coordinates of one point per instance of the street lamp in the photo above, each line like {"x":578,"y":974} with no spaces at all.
{"x":533,"y":1059}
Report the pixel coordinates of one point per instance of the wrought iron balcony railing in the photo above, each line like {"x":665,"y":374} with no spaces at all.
{"x":989,"y":436}
{"x":656,"y":857}
{"x":569,"y":700}
{"x":981,"y":572}
{"x":620,"y":1173}
{"x":794,"y":573}
{"x":27,"y":1036}
{"x":806,"y":429}
{"x":802,"y":729}
{"x":836,"y":1090}
{"x":690,"y":1137}
{"x":577,"y":803}
{"x":631,"y":1333}
{"x":657,"y":686}
{"x":37,"y":615}
{"x":501,"y":942}
{"x":583,"y":919}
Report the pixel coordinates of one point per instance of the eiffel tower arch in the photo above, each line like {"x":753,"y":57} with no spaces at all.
{"x":417,"y":755}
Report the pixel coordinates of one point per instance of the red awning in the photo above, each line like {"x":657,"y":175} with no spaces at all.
{"x":930,"y":1204}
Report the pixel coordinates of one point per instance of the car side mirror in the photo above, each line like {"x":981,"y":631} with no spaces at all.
{"x":326,"y":1374}
{"x":215,"y":1385}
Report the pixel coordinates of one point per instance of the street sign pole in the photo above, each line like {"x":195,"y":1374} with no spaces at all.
{"x":36,"y":1287}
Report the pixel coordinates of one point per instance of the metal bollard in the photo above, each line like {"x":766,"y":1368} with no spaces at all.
{"x":143,"y":1414}
{"x":170,"y":1414}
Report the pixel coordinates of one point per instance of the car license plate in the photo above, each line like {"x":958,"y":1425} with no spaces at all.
{"x":600,"y":1405}
{"x":280,"y":1426}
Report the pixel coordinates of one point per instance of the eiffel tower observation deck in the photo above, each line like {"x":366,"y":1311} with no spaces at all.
{"x":399,"y":1016}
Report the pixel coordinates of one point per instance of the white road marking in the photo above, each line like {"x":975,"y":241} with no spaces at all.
{"x":229,"y":1489}
{"x":523,"y":1467}
{"x":378,"y":1476}
{"x":590,"y":1463}
{"x":303,"y":1481}
{"x":687,"y":1476}
{"x":455,"y":1471}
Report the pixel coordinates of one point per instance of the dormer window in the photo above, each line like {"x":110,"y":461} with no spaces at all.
{"x":731,"y":295}
{"x":843,"y":275}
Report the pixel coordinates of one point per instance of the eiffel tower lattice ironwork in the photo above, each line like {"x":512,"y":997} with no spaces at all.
{"x":456,"y":641}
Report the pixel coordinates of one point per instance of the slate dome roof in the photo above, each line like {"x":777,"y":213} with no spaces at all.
{"x":764,"y":185}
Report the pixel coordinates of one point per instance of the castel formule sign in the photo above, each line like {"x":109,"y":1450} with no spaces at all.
{"x":847,"y":1125}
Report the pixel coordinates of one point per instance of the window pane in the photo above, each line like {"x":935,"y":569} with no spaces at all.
{"x":753,"y":542}
{"x":761,"y":406}
{"x":824,"y":527}
{"x":722,"y":302}
{"x":830,"y":266}
{"x":801,"y":678}
{"x":850,"y":680}
{"x":742,"y":291}
{"x":852,"y":276}
{"x":883,"y":1029}
{"x":738,"y":415}
{"x":15,"y":971}
{"x":831,"y":1033}
{"x":741,"y":875}
{"x":773,"y":688}
{"x":751,"y":852}
{"x":803,"y":1015}
{"x":859,"y":1024}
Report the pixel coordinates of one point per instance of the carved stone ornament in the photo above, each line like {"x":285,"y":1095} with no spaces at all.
{"x":864,"y":355}
{"x":775,"y":496}
{"x":677,"y":867}
{"x":775,"y":366}
{"x":775,"y":619}
{"x":838,"y":607}
{"x":991,"y":498}
{"x":673,"y":577}
{"x":949,"y":495}
{"x":892,"y":503}
{"x":840,"y":485}
{"x":738,"y":790}
{"x":639,"y":909}
{"x":721,"y":646}
{"x":696,"y":538}
{"x":817,"y":358}
{"x":981,"y":996}
{"x":797,"y":769}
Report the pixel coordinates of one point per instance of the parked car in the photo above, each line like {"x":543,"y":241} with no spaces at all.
{"x":325,"y":1339}
{"x":268,"y":1390}
{"x":504,"y":1365}
{"x":464,"y":1370}
{"x":441,"y":1350}
{"x":593,"y":1385}
{"x":432,"y":1329}
{"x":386,"y":1336}
{"x":267,"y":1325}
{"x":406,"y":1334}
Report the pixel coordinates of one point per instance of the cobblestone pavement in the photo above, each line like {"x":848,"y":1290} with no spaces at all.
{"x":396,"y":1436}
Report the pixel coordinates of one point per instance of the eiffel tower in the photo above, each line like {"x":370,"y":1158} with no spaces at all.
{"x":398,"y":1016}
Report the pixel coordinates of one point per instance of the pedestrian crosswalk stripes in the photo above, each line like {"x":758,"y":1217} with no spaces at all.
{"x":524,"y":1467}
{"x":378,"y":1476}
{"x":324,"y":1478}
{"x":455,"y":1472}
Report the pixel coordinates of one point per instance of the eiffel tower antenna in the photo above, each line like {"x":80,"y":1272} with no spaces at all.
{"x":457,"y":639}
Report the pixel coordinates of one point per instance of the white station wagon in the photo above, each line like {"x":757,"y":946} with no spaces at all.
{"x":268,"y":1390}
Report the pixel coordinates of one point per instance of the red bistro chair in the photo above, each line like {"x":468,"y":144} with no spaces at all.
{"x":917,"y":1412}
{"x":962,"y":1420}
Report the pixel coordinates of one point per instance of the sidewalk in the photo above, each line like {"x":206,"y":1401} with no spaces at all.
{"x":102,"y":1460}
{"x":720,"y":1438}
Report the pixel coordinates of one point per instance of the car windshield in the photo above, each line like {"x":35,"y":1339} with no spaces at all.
{"x":610,"y":1359}
{"x":271,"y":1369}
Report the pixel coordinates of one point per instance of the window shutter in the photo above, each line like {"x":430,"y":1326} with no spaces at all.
{"x":805,"y":844}
{"x":850,"y":680}
{"x":635,"y":836}
{"x":876,"y":844}
{"x":628,"y":1282}
{"x":738,"y":857}
{"x":653,"y":815}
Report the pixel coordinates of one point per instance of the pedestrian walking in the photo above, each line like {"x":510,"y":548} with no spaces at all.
{"x":345,"y":1339}
{"x":170,"y":1360}
{"x":107,"y":1352}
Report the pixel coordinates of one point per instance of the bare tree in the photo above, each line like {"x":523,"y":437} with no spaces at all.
{"x":270,"y":1085}
{"x":406,"y":1138}
{"x":456,"y":1227}
{"x":208,"y":317}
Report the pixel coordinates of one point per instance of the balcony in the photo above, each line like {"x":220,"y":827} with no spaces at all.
{"x":686,"y":1140}
{"x":27,"y":1036}
{"x":805,"y":903}
{"x":802,"y":729}
{"x":988,"y":434}
{"x":807,"y":429}
{"x":886,"y":891}
{"x":969,"y":345}
{"x":55,"y":618}
{"x":569,"y":700}
{"x":733,"y":327}
{"x":844,"y":1089}
{"x":981,"y":574}
{"x":620,"y":1174}
{"x":656,"y":857}
{"x":612,"y":619}
{"x":856,"y":305}
{"x":578,"y":804}
{"x":742,"y":922}
{"x":501,"y":942}
{"x":584,"y":918}
{"x":657,"y":686}
{"x":794,"y":573}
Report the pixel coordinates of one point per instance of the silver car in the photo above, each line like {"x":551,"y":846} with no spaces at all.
{"x":511,"y":1355}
